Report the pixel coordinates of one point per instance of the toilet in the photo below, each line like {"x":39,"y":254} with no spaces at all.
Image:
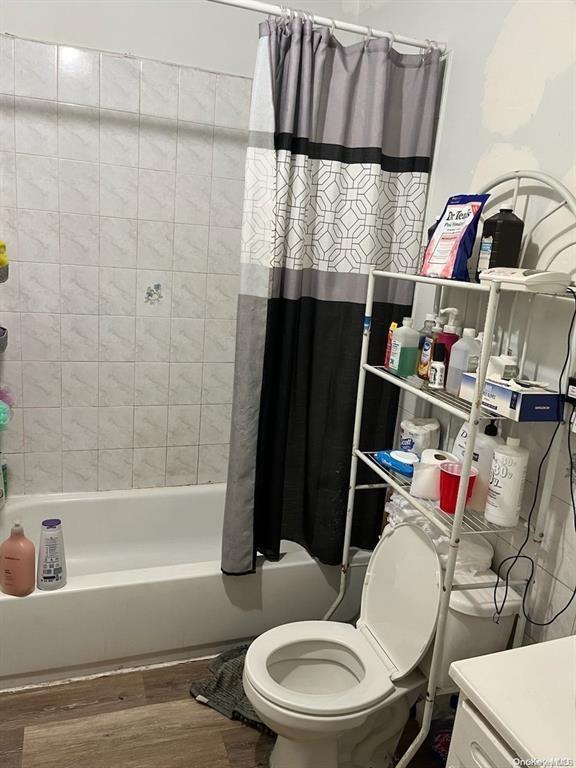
{"x":339,"y":696}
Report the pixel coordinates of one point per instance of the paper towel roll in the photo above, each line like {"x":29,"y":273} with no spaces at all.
{"x":426,"y":478}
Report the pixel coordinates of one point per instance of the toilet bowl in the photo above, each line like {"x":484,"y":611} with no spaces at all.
{"x":339,"y":695}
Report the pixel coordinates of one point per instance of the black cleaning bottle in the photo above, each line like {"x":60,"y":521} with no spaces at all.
{"x":501,"y":241}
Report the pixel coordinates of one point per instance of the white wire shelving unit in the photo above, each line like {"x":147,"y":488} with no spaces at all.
{"x":464,"y":521}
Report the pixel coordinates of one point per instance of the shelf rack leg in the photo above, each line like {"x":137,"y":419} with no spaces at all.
{"x":345,"y":567}
{"x":437,"y":653}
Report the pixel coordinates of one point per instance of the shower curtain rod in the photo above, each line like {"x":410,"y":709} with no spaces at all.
{"x":277,"y":10}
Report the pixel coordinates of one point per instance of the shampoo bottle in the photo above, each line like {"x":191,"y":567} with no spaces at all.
{"x":17,"y":563}
{"x":404,"y":354}
{"x":464,"y":358}
{"x":507,"y":477}
{"x":51,"y":558}
{"x":450,"y":333}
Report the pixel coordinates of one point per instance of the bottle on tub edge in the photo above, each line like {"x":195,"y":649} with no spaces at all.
{"x":17,"y":563}
{"x":51,"y":557}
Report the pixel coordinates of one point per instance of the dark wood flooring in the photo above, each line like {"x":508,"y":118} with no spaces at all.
{"x":142,"y":719}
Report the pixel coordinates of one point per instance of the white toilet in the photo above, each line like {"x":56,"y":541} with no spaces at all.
{"x":338,"y":695}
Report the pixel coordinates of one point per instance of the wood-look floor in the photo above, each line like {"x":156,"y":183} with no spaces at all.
{"x":143,"y":719}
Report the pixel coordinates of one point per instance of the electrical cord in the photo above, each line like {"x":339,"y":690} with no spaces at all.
{"x":513,"y":559}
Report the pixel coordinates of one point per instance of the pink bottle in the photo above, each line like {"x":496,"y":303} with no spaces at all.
{"x":17,"y":563}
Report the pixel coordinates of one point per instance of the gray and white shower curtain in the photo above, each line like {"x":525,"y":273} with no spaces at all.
{"x":336,"y":178}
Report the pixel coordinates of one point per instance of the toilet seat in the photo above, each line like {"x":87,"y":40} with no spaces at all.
{"x":340,"y":654}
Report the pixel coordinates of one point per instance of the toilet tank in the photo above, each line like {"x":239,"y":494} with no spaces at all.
{"x":470,"y":628}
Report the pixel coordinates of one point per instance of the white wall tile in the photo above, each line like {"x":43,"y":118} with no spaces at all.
{"x":182,"y":465}
{"x":226,"y":202}
{"x":186,"y":340}
{"x":11,"y":371}
{"x":185,"y":383}
{"x":13,"y":437}
{"x":159,"y":89}
{"x":11,"y":321}
{"x":37,"y":180}
{"x":38,"y":236}
{"x":115,"y":426}
{"x":79,"y":428}
{"x":119,"y":137}
{"x":43,"y":472}
{"x":155,"y":244}
{"x":8,"y":181}
{"x":232,"y":101}
{"x":79,"y":471}
{"x":118,"y":191}
{"x":35,"y":69}
{"x":42,"y":429}
{"x":220,"y":341}
{"x":193,"y":199}
{"x":40,"y":336}
{"x":117,"y":339}
{"x":10,"y":299}
{"x":120,"y":83}
{"x":190,"y":247}
{"x":7,"y":124}
{"x":118,"y":242}
{"x":215,"y":424}
{"x":151,"y":383}
{"x":36,"y":126}
{"x":153,"y":293}
{"x":78,"y":133}
{"x":16,"y":477}
{"x":156,"y":195}
{"x":197,"y":95}
{"x":183,"y":424}
{"x":79,"y":384}
{"x":229,"y":153}
{"x":116,"y":384}
{"x":79,"y":187}
{"x":195,"y":143}
{"x":79,"y":290}
{"x":217,"y":383}
{"x":152,"y":339}
{"x":6,"y":64}
{"x":150,"y":422}
{"x":79,"y":239}
{"x":79,"y":338}
{"x":213,"y":463}
{"x":41,"y":384}
{"x":39,"y":287}
{"x":189,"y":295}
{"x":224,"y":251}
{"x":9,"y":224}
{"x":114,"y":470}
{"x":117,"y":291}
{"x":149,"y":467}
{"x":222,"y":296}
{"x":157,"y":143}
{"x":78,"y":76}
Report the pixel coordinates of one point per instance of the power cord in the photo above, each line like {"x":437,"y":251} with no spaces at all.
{"x":513,"y":559}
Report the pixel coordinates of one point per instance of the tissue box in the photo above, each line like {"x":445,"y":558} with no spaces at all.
{"x":534,"y":404}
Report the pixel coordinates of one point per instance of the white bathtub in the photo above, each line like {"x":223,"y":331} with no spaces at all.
{"x":144,"y":585}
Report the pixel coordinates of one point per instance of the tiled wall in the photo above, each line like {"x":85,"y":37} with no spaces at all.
{"x":121,"y":194}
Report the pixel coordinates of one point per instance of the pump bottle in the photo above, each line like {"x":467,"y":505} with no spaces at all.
{"x":450,"y":333}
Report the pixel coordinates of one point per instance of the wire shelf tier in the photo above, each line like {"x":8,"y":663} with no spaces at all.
{"x":472,"y":522}
{"x":439,"y":397}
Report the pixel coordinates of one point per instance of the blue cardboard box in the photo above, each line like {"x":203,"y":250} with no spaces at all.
{"x":530,"y":404}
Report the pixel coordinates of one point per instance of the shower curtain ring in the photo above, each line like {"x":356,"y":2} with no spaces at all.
{"x":391,"y":39}
{"x":368,"y":35}
{"x":332,"y":26}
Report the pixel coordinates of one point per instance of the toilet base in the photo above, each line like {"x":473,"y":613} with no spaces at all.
{"x":317,"y":753}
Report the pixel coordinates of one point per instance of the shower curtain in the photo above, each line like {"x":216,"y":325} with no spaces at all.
{"x":336,"y":177}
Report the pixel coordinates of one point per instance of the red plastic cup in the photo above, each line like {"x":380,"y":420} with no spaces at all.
{"x":449,"y":481}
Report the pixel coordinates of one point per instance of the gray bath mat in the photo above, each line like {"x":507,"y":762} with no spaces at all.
{"x":224,"y":692}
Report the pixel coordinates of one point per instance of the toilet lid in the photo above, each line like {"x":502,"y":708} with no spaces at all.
{"x":401,"y":596}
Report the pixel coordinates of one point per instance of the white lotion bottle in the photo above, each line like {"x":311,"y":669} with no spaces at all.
{"x":507,"y":478}
{"x":51,"y":558}
{"x":486,"y":443}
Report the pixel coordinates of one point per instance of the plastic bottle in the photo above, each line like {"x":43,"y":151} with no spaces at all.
{"x":404,"y":353}
{"x":507,"y":477}
{"x":501,"y":241}
{"x":426,"y":348}
{"x":391,"y":330}
{"x":484,"y":447}
{"x":464,"y":358}
{"x":17,"y":563}
{"x":51,"y":558}
{"x":450,"y":333}
{"x":4,"y":468}
{"x":437,"y":367}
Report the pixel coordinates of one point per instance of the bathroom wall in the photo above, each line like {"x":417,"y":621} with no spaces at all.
{"x":511,"y":103}
{"x":121,"y":194}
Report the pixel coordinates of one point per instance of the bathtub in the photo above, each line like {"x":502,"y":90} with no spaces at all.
{"x":144,"y":585}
